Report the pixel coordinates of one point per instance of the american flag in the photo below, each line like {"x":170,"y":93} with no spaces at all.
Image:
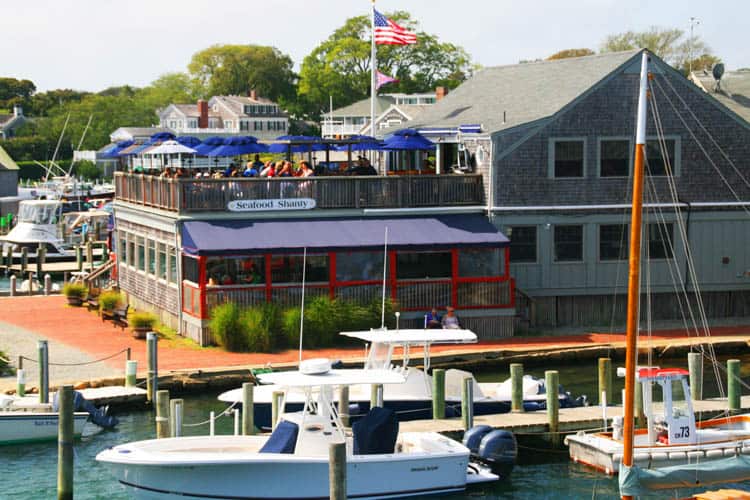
{"x":389,"y":33}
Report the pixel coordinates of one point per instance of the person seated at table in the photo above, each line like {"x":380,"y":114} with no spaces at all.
{"x":270,"y":169}
{"x":217,"y":175}
{"x":286,"y":170}
{"x":305,"y":170}
{"x":227,"y":280}
{"x":229,"y":170}
{"x":180,"y":174}
{"x":432,"y":319}
{"x":450,"y":320}
{"x":251,"y":170}
{"x":167,"y":173}
{"x":257,"y":163}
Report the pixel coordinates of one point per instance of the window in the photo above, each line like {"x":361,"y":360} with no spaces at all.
{"x":655,"y":161}
{"x":141,"y":252}
{"x":522,"y":244}
{"x":614,"y":158}
{"x":123,"y":249}
{"x":172,"y":265}
{"x":359,"y":266}
{"x":162,"y":263}
{"x":613,"y":242}
{"x":190,"y":269}
{"x":244,"y":125}
{"x":257,"y":125}
{"x":236,"y":271}
{"x":131,"y":250}
{"x":423,"y":265}
{"x":568,"y":158}
{"x":480,"y":262}
{"x":660,"y":238}
{"x":228,"y":124}
{"x":151,"y":261}
{"x":568,"y":243}
{"x":288,"y":269}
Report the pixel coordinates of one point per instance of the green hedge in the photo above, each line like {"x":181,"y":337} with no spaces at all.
{"x":267,"y":327}
{"x":5,"y":367}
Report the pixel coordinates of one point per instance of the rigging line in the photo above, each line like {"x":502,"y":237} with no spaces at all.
{"x":705,"y":152}
{"x":706,"y":131}
{"x":57,"y":147}
{"x":689,"y":260}
{"x":80,"y":143}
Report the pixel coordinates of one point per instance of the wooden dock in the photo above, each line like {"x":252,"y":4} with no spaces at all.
{"x":585,"y":418}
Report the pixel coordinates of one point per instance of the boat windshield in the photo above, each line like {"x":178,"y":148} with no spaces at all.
{"x":38,"y":213}
{"x":679,"y":401}
{"x":379,"y":356}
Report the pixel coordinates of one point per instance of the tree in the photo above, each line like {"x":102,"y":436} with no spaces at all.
{"x":12,"y":87}
{"x":564,"y":54}
{"x":340,"y":66}
{"x":669,"y":44}
{"x":170,"y":88}
{"x":238,"y":69}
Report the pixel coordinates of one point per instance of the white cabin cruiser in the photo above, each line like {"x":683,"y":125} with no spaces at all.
{"x":412,"y":400}
{"x":36,"y":224}
{"x":23,"y":420}
{"x":293,"y":461}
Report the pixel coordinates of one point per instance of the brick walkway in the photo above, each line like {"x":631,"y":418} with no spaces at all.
{"x":82,"y":330}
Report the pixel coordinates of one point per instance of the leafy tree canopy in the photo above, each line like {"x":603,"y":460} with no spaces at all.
{"x":12,"y":87}
{"x":670,"y":44}
{"x":238,"y":69}
{"x":340,"y":66}
{"x":564,"y":54}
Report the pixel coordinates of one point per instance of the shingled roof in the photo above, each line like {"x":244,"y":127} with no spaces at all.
{"x":504,"y":97}
{"x":362,"y":108}
{"x":733,"y":93}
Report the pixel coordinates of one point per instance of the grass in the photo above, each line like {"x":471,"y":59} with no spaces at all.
{"x":174,"y":339}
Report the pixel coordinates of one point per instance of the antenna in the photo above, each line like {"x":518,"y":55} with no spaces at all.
{"x":302,"y":307}
{"x":385,"y":269}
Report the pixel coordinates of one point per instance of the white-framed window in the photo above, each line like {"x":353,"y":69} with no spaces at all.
{"x":228,"y":124}
{"x":567,"y":157}
{"x":257,"y":125}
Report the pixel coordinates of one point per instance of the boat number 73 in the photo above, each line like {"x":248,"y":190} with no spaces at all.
{"x":684,"y":432}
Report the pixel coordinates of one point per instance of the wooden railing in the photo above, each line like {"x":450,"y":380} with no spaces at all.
{"x":193,"y":195}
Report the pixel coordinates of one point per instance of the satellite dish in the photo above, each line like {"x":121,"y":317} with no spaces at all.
{"x":718,"y":71}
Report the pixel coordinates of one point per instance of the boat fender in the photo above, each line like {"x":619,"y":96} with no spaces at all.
{"x":473,"y":437}
{"x":499,"y":450}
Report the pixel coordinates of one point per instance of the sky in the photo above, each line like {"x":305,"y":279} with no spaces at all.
{"x":94,"y":44}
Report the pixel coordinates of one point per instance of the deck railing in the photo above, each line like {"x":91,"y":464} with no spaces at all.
{"x":213,"y":195}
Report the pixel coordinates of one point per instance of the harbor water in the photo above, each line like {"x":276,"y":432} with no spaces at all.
{"x":29,"y":471}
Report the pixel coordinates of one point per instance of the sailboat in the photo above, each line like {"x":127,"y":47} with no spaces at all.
{"x":673,"y":451}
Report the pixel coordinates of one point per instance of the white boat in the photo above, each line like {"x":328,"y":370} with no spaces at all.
{"x":672,"y":451}
{"x":412,"y":400}
{"x":21,"y":422}
{"x":293,"y":461}
{"x":36,"y":224}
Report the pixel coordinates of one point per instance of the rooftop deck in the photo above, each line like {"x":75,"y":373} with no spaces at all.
{"x":213,"y":195}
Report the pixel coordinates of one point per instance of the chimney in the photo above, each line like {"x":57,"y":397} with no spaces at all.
{"x":440,"y":92}
{"x":17,"y":111}
{"x":202,"y":114}
{"x":253,"y":95}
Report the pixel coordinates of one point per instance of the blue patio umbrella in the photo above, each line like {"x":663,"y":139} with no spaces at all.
{"x":208,"y":145}
{"x":161,"y":136}
{"x":304,"y":143}
{"x":235,"y":146}
{"x":113,"y":151}
{"x":364,"y":143}
{"x":407,"y":139}
{"x":189,"y":141}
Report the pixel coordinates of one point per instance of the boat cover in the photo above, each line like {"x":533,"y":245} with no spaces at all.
{"x":283,"y":439}
{"x":376,"y":433}
{"x":635,"y":481}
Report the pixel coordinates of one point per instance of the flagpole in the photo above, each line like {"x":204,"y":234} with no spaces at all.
{"x":373,"y":57}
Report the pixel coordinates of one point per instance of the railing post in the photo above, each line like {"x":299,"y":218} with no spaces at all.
{"x":162,"y":414}
{"x":43,"y":362}
{"x":131,"y":368}
{"x":176,"y":412}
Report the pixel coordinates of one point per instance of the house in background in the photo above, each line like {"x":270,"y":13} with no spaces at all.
{"x":135,"y":134}
{"x":733,"y":90}
{"x":391,"y":110}
{"x":227,"y":115}
{"x":10,"y":123}
{"x":554,"y":144}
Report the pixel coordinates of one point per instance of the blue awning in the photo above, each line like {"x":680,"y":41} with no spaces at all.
{"x":292,"y":235}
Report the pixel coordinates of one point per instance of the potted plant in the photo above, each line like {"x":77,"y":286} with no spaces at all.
{"x":75,"y":293}
{"x":141,"y":323}
{"x":108,"y":302}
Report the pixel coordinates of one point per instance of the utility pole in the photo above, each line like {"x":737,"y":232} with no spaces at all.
{"x":694,"y":21}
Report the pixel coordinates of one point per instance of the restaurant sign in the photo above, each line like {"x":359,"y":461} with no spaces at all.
{"x":272,"y":205}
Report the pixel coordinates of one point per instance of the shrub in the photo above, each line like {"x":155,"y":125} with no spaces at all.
{"x":227,"y":328}
{"x":142,"y":319}
{"x":75,"y":290}
{"x":290,"y":328}
{"x":109,"y":301}
{"x":257,"y":334}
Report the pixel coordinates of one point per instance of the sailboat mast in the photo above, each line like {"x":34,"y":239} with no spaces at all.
{"x":634,"y":269}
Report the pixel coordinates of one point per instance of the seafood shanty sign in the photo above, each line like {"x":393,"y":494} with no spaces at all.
{"x":274,"y":204}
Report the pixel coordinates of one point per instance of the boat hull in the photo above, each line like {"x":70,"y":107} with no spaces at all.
{"x":27,"y":427}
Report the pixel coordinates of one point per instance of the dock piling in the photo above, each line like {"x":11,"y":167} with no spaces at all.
{"x":236,"y":416}
{"x":605,"y":380}
{"x":131,"y":368}
{"x":43,"y":357}
{"x":640,"y":417}
{"x":337,"y":471}
{"x":47,"y":284}
{"x":13,"y":285}
{"x":551,"y":381}
{"x":162,"y":414}
{"x":438,"y":393}
{"x":344,"y":405}
{"x":90,"y":255}
{"x":20,"y":382}
{"x":212,"y":423}
{"x":65,"y":437}
{"x":152,"y":380}
{"x":79,"y":257}
{"x":24,"y":260}
{"x":41,"y":256}
{"x":276,"y":407}
{"x":467,"y":402}
{"x":516,"y":387}
{"x":176,"y":412}
{"x":695,"y":367}
{"x":248,"y":409}
{"x":376,"y":395}
{"x":733,"y":384}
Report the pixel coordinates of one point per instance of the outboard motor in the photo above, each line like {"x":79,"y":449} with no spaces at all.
{"x":97,"y":415}
{"x":473,"y":437}
{"x":499,"y":450}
